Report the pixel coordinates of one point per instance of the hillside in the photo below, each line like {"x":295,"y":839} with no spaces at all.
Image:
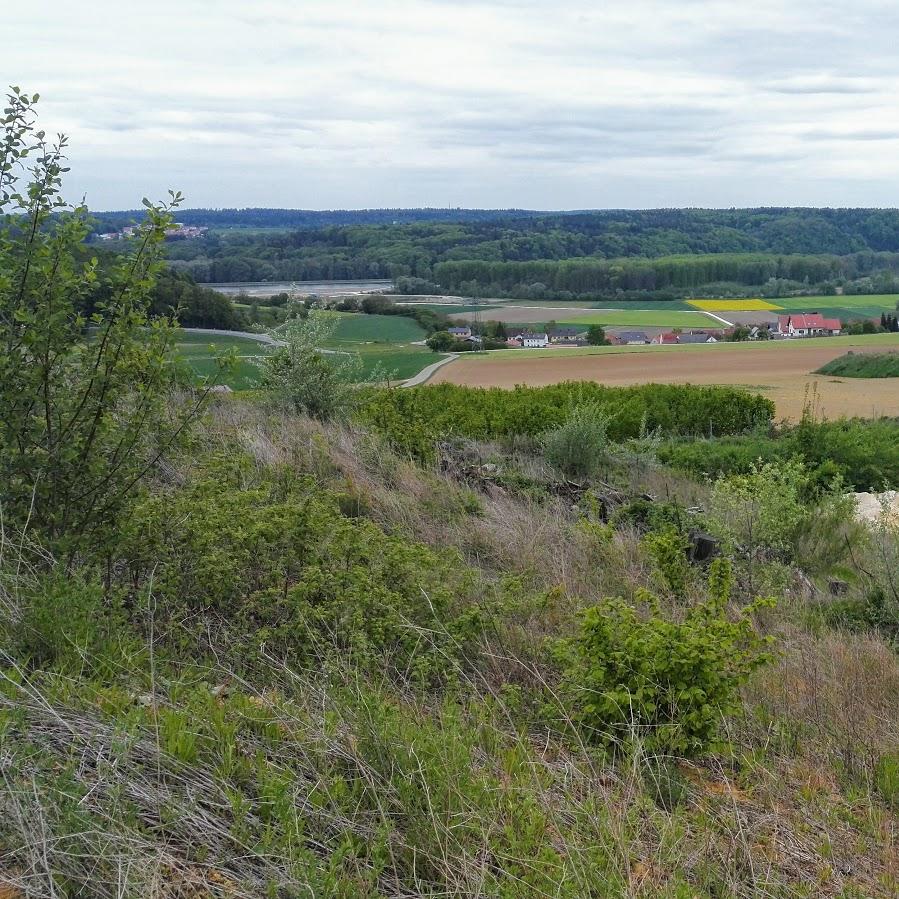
{"x":331,"y":638}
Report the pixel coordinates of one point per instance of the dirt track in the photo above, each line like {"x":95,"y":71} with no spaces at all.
{"x":779,"y":371}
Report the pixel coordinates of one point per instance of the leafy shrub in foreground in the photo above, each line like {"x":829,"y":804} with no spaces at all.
{"x":277,"y":566}
{"x":665,"y":683}
{"x":865,"y":453}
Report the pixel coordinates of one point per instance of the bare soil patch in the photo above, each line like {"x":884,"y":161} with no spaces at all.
{"x":782,"y":372}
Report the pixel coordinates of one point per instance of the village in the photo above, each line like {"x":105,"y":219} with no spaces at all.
{"x":809,"y":324}
{"x":176,"y":231}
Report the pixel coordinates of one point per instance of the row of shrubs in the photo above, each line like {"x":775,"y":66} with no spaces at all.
{"x":863,"y":452}
{"x":412,"y":419}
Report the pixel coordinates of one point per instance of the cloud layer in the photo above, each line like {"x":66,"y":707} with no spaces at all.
{"x":569,"y":104}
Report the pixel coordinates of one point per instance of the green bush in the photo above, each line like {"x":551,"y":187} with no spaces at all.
{"x":278,"y":567}
{"x":668,"y":551}
{"x":580,"y":446}
{"x":664,"y":683}
{"x":83,"y":411}
{"x":307,"y":380}
{"x":66,"y":622}
{"x":864,"y":453}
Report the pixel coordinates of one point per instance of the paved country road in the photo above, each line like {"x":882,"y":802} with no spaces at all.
{"x":250,"y":335}
{"x":426,"y":373}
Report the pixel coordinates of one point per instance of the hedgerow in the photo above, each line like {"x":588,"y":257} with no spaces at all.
{"x":414,"y":418}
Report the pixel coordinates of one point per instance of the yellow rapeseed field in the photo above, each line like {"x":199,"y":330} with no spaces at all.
{"x":733,"y":305}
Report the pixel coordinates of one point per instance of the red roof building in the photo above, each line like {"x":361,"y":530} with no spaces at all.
{"x":808,"y":324}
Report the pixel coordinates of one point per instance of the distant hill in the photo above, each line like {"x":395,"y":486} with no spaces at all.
{"x":313,"y":218}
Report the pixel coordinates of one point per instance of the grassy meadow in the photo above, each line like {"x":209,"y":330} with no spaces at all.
{"x":385,"y":343}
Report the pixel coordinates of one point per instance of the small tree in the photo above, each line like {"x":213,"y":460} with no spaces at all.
{"x":303,"y":374}
{"x":596,"y":335}
{"x":580,"y":445}
{"x":760,"y":512}
{"x":441,"y":342}
{"x":83,"y":400}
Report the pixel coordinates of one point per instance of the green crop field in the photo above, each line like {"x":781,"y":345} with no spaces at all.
{"x":397,"y":363}
{"x":199,"y":352}
{"x":396,"y":360}
{"x":845,"y":308}
{"x":358,"y":328}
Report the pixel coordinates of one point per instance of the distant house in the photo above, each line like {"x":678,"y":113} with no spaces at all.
{"x":633,"y":337}
{"x":663,"y":339}
{"x":532,"y":340}
{"x":808,"y":324}
{"x":697,"y":338}
{"x":566,"y":335}
{"x":460,"y":333}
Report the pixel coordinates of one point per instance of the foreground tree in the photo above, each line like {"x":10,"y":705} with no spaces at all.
{"x":83,"y":400}
{"x":304,"y":376}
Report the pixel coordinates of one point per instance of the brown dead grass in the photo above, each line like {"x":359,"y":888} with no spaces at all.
{"x":781,"y":372}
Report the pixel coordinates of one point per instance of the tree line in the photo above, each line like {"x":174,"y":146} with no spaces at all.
{"x":590,"y":254}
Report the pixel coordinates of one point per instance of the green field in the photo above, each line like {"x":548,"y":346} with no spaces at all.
{"x":199,"y":352}
{"x":618,"y":305}
{"x":455,"y":308}
{"x":846,"y":308}
{"x":391,"y":329}
{"x":640,"y":318}
{"x":382,"y":341}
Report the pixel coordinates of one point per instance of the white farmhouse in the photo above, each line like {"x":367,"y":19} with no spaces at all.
{"x":532,"y":340}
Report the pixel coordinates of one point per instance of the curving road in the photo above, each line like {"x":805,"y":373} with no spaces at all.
{"x":427,"y":373}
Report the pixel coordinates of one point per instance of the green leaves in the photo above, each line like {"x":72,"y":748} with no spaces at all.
{"x":667,"y":684}
{"x":82,"y":412}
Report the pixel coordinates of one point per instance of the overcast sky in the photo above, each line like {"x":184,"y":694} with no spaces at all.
{"x":552,"y":105}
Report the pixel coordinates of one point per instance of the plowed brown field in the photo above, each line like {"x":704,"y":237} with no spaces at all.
{"x":781,"y":371}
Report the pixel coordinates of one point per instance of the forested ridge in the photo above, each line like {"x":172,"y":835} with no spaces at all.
{"x":564,"y":254}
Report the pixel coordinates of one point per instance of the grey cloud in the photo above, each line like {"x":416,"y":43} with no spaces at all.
{"x":471,"y":102}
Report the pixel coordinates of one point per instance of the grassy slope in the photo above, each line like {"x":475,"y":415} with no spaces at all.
{"x":869,"y":365}
{"x":325,"y":781}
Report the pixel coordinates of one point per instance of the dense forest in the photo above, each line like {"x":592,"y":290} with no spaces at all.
{"x":645,"y":252}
